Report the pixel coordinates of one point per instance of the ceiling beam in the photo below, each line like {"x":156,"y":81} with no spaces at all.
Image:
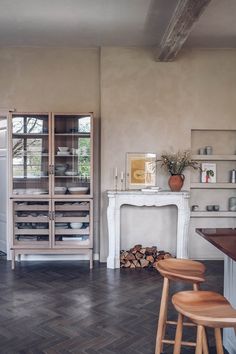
{"x":186,"y":13}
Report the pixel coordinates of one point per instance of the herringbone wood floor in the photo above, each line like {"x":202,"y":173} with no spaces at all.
{"x":62,"y":308}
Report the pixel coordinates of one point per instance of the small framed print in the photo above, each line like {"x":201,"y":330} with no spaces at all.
{"x":140,"y":170}
{"x":208,"y":174}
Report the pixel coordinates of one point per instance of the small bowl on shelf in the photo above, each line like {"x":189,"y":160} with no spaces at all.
{"x":63,"y":148}
{"x":78,"y":190}
{"x":71,"y":173}
{"x":76,"y":225}
{"x":60,"y":190}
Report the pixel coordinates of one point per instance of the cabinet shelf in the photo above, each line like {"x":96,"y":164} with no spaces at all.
{"x":18,"y":135}
{"x":213,"y":214}
{"x":214,"y":157}
{"x":71,"y":231}
{"x":73,"y":134}
{"x":220,"y":185}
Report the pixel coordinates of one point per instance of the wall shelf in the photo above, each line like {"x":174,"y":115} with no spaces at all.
{"x":214,"y":157}
{"x":220,"y":185}
{"x":213,"y":214}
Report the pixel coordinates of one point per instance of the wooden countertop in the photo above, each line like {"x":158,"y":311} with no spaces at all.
{"x":223,"y":239}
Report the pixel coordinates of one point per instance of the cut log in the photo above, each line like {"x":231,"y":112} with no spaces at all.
{"x":136,"y":248}
{"x":142,"y":250}
{"x":127,"y":264}
{"x":144,"y":263}
{"x":138,"y":255}
{"x":130,"y":257}
{"x":150,"y":259}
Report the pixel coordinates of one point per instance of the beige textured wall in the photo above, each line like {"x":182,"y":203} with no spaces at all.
{"x":53,"y":79}
{"x":148,"y":106}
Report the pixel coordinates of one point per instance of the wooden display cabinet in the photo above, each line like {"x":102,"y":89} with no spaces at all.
{"x":51,"y":183}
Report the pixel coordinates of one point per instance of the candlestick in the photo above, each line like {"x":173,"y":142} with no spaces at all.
{"x":122,"y":180}
{"x":116,"y":177}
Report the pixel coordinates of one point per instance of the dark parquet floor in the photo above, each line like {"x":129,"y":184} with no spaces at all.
{"x":62,"y":308}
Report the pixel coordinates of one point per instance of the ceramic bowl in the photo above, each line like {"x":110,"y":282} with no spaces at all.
{"x":78,"y":190}
{"x":76,"y":225}
{"x":63,"y":148}
{"x":71,"y":173}
{"x":60,"y":190}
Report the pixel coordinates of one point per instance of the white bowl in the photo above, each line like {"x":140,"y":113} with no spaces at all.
{"x":60,"y":190}
{"x":63,"y":148}
{"x":78,"y":190}
{"x":71,"y":173}
{"x":76,"y":225}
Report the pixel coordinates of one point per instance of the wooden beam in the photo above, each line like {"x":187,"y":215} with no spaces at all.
{"x":186,"y":13}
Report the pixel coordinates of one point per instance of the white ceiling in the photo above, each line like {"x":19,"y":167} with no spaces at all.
{"x":89,"y":23}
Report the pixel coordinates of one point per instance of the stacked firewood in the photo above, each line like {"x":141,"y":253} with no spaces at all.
{"x":142,"y":257}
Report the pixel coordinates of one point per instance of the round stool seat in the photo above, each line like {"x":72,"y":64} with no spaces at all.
{"x":182,"y":269}
{"x":205,"y":308}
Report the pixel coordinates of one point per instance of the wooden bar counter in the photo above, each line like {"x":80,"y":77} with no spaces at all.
{"x":225,"y":240}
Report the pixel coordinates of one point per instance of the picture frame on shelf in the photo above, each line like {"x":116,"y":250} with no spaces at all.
{"x":140,"y":170}
{"x":208,"y":173}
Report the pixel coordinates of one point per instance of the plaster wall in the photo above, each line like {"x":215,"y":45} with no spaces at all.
{"x":147,"y":106}
{"x":54,"y":80}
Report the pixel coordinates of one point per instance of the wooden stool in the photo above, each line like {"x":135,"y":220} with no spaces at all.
{"x":178,"y":270}
{"x":204,"y":308}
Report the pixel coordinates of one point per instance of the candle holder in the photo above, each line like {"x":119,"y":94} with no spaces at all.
{"x":122,"y":184}
{"x":115,"y":179}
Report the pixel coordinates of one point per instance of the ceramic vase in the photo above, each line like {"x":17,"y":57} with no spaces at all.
{"x":176,"y":182}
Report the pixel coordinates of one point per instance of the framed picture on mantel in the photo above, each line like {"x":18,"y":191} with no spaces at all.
{"x":140,"y":170}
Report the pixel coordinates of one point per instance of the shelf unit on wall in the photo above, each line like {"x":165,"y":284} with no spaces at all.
{"x":51,"y":183}
{"x":223,"y":144}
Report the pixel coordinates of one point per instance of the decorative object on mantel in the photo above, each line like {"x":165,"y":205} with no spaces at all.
{"x":140,"y":170}
{"x":175,"y":164}
{"x":142,"y":257}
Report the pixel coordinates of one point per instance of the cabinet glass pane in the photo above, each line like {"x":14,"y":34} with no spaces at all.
{"x":31,"y":223}
{"x":72,"y":223}
{"x":72,"y":149}
{"x":30,"y":154}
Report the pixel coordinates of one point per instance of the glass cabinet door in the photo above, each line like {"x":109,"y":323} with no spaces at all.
{"x":31,"y":224}
{"x":72,"y":155}
{"x":72,"y":224}
{"x":30,"y":154}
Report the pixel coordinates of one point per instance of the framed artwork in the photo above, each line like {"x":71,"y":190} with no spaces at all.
{"x":208,"y":174}
{"x":140,"y":170}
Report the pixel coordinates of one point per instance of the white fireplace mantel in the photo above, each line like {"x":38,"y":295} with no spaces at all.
{"x":139,"y":198}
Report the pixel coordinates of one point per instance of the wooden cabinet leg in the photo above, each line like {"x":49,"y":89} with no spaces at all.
{"x":91,"y":259}
{"x":219,"y":345}
{"x":162,"y":316}
{"x":12,"y":259}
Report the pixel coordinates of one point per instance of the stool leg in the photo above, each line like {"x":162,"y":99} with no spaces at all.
{"x":162,"y":316}
{"x":199,"y":344}
{"x":219,"y":345}
{"x":178,"y":334}
{"x":196,"y":286}
{"x":205,"y":343}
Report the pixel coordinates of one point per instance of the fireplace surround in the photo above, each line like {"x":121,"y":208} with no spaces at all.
{"x":139,"y":198}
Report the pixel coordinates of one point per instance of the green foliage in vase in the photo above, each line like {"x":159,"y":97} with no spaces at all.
{"x":176,"y":163}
